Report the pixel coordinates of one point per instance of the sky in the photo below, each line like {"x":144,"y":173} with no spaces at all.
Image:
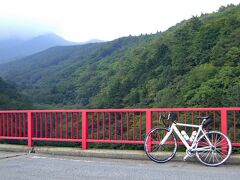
{"x":82,"y":20}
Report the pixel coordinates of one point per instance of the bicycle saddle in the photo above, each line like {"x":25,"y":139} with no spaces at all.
{"x":207,"y":121}
{"x":204,"y":117}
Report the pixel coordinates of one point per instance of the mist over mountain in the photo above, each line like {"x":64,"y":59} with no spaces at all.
{"x":12,"y":49}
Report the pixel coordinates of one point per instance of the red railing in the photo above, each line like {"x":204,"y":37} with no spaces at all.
{"x":123,"y":126}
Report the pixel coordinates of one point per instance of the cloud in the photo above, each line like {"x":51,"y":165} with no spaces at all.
{"x":81,"y":20}
{"x":22,"y":28}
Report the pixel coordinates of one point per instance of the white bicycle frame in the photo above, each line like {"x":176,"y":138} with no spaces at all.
{"x":191,"y":148}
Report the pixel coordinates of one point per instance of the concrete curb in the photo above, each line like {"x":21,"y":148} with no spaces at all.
{"x":98,"y":153}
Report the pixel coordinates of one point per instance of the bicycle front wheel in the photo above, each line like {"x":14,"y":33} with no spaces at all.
{"x":157,"y":151}
{"x":217,"y":152}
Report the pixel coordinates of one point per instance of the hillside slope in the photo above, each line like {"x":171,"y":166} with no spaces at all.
{"x":195,"y":63}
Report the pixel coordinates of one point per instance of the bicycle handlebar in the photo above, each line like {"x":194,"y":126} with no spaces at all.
{"x":168,"y":118}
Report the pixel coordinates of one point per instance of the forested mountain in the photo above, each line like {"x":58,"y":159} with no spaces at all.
{"x":48,"y":75}
{"x":12,"y":49}
{"x":193,"y":64}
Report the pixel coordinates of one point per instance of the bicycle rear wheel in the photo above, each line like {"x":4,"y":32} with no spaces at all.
{"x":160,"y":153}
{"x":216,"y":154}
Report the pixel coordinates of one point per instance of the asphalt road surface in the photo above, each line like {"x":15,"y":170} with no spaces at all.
{"x":36,"y":166}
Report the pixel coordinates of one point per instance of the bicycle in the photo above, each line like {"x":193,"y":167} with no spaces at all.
{"x":212,"y":148}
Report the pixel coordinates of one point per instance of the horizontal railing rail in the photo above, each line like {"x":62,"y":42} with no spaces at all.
{"x":121,"y":126}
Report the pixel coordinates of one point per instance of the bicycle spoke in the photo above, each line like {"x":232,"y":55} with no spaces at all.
{"x":157,"y":151}
{"x":202,"y":155}
{"x":222,"y":149}
{"x":219,"y":151}
{"x":213,"y":155}
{"x":223,"y":145}
{"x":157,"y":147}
{"x":212,"y":139}
{"x":217,"y":140}
{"x":222,"y":156}
{"x":207,"y":155}
{"x":158,"y":137}
{"x":217,"y":157}
{"x":219,"y":154}
{"x":220,"y":142}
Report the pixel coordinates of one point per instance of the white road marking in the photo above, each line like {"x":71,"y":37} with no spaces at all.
{"x":63,"y":159}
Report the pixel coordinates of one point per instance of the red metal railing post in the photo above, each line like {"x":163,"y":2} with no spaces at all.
{"x":30,"y":129}
{"x":84,"y":130}
{"x":224,"y":126}
{"x":148,"y":120}
{"x":224,"y":122}
{"x":149,"y":125}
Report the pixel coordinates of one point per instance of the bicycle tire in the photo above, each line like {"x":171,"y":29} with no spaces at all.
{"x":160,"y":153}
{"x":218,"y":153}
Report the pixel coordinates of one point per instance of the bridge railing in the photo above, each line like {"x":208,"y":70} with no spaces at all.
{"x":121,"y":126}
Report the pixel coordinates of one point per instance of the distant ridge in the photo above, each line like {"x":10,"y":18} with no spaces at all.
{"x":93,"y":41}
{"x":12,"y":49}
